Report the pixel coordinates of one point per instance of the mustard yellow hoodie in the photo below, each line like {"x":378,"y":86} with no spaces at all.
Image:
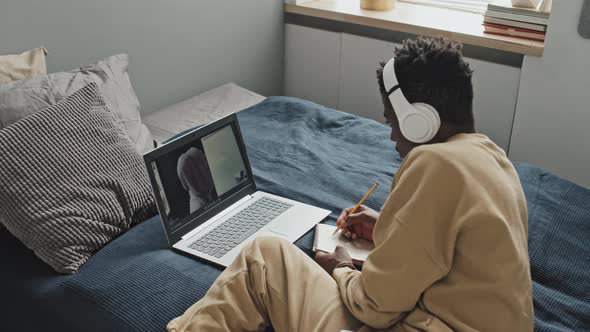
{"x":450,"y":245}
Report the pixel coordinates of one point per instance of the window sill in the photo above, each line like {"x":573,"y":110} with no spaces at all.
{"x":419,"y":20}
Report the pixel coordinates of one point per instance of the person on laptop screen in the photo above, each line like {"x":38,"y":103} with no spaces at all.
{"x":195,"y":177}
{"x":450,"y":241}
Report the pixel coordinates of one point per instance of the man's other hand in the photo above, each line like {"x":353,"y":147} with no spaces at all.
{"x":358,"y":225}
{"x":329,"y":261}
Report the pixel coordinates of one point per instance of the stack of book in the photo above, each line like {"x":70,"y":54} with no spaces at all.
{"x":516,"y":22}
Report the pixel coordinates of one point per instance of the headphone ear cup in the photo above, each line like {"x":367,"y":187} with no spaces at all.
{"x":421,"y":124}
{"x":432,"y":117}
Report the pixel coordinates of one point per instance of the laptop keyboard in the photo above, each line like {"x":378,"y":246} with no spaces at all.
{"x":239,"y":227}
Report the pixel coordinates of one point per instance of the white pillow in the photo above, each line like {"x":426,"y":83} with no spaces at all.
{"x":22,"y":98}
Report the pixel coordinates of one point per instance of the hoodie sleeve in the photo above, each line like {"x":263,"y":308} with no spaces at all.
{"x":414,"y":240}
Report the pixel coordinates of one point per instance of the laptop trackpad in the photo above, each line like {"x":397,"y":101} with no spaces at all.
{"x":288,"y":227}
{"x":271,"y":233}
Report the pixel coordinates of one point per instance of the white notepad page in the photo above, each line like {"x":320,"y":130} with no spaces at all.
{"x":324,"y":241}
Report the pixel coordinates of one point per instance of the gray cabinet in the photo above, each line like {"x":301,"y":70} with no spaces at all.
{"x":338,"y":71}
{"x":495,"y":90}
{"x":359,"y":92}
{"x":551,"y":127}
{"x":312,"y":64}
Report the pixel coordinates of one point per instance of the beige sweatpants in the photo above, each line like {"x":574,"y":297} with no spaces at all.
{"x":270,"y":282}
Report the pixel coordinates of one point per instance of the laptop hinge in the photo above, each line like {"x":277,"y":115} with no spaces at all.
{"x":217,"y":217}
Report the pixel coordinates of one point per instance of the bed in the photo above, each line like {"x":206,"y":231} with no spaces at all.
{"x":309,"y":153}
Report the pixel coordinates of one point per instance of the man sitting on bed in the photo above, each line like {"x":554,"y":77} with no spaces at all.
{"x":450,"y":241}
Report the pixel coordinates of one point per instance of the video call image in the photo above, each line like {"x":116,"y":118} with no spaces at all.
{"x":194,"y":176}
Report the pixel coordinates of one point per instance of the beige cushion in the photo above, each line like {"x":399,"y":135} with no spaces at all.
{"x":23,"y":66}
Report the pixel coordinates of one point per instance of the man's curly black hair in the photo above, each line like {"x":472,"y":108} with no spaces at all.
{"x":432,"y":71}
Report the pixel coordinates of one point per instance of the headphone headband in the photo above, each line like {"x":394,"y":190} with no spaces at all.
{"x":392,"y":90}
{"x":396,"y":96}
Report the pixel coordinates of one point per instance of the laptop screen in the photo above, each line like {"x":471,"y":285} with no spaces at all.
{"x":199,"y":174}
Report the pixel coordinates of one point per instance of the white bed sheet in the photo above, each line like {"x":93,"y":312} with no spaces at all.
{"x":206,"y":107}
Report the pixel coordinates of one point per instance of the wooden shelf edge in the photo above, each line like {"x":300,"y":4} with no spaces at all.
{"x":494,"y":42}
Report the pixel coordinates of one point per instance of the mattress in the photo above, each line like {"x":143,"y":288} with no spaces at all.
{"x":308,"y":153}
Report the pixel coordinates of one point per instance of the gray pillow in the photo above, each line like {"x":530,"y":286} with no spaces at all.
{"x":71,"y":180}
{"x":22,"y":98}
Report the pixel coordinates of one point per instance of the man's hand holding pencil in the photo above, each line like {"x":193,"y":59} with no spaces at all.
{"x":358,"y":225}
{"x":358,"y":221}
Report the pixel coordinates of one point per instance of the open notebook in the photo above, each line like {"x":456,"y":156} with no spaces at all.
{"x":325,"y":241}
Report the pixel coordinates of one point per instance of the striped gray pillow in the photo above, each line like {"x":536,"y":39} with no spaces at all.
{"x":71,"y":180}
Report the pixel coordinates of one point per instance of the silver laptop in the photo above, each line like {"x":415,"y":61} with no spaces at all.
{"x":207,"y":196}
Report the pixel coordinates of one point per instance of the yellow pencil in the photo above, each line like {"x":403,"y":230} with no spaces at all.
{"x":358,"y":205}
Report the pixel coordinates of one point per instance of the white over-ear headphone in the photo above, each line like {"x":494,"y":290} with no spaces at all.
{"x":418,"y":122}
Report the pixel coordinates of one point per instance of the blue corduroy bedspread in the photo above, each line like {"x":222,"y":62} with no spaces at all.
{"x":309,"y":153}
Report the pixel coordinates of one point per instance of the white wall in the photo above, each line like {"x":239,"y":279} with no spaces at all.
{"x":177,"y":48}
{"x":552,"y":121}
